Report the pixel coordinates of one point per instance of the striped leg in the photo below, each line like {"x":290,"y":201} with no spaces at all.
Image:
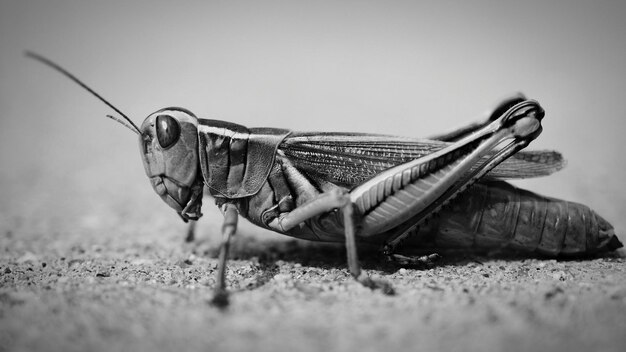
{"x":403,"y":196}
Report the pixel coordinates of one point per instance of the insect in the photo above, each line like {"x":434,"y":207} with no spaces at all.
{"x":354,"y":187}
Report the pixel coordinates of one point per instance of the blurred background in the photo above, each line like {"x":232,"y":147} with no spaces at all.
{"x":394,"y":67}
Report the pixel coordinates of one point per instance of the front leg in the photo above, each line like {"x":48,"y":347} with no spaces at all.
{"x":229,"y":227}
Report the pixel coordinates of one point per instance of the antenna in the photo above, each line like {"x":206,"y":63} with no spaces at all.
{"x":121,"y":122}
{"x":67,"y":74}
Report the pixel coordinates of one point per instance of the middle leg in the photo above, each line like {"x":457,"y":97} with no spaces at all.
{"x":327,"y":202}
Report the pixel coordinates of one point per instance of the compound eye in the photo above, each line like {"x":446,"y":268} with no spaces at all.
{"x":167,"y":130}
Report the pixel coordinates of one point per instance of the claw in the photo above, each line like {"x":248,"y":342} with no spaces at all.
{"x":220,"y":299}
{"x":376,"y":284}
{"x":191,"y":232}
{"x":425,"y":261}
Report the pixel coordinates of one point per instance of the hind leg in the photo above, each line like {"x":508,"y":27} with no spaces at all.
{"x":492,"y":114}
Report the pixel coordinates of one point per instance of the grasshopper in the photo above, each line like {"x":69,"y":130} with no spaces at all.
{"x":355,"y":187}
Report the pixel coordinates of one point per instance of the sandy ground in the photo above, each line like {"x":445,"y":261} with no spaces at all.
{"x":92,"y":260}
{"x":113,"y":275}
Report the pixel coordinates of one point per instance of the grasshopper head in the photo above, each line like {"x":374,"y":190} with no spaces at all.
{"x":168,"y":140}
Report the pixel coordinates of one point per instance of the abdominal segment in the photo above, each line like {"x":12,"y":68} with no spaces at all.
{"x":499,"y":216}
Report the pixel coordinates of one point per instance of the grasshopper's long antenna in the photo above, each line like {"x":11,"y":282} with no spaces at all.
{"x":63,"y":71}
{"x":121,"y":122}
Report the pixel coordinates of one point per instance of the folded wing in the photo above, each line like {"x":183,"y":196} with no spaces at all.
{"x":350,"y":159}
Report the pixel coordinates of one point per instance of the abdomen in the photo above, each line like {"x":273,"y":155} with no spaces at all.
{"x":497,"y":215}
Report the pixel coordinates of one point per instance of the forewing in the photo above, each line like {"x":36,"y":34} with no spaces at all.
{"x":350,"y":159}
